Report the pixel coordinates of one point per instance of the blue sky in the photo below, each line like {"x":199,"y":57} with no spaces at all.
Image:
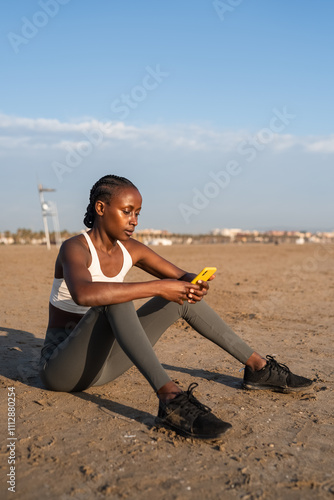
{"x":173,"y":95}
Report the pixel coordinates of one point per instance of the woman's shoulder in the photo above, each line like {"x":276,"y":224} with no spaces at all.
{"x":134,"y":247}
{"x":78,"y":239}
{"x":74,"y":244}
{"x":73,"y":250}
{"x":137,"y":250}
{"x":132,"y":244}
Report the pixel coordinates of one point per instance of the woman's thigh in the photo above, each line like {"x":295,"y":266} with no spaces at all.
{"x":74,"y":361}
{"x":90,"y":355}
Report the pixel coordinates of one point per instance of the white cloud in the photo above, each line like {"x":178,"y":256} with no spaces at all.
{"x":170,"y":163}
{"x":324,"y":145}
{"x":43,"y":133}
{"x":283,"y":142}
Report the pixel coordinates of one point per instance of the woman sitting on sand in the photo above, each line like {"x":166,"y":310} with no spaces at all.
{"x":95,"y":334}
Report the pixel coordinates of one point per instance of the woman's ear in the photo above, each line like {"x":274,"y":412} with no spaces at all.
{"x":99,"y":207}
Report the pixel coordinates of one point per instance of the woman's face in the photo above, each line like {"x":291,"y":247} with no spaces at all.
{"x":120,"y":215}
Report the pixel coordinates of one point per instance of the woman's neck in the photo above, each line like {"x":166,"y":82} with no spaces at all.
{"x":102,"y":241}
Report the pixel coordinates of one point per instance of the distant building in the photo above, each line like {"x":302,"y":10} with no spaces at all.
{"x":159,"y":241}
{"x":230,"y":233}
{"x":6,"y":240}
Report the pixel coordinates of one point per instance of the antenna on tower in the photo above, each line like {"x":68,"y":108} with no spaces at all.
{"x":49,"y":209}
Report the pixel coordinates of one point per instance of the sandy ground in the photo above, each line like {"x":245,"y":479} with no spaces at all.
{"x":102,"y":443}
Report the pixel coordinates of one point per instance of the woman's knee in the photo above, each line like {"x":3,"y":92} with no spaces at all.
{"x":53,"y":383}
{"x":59,"y":380}
{"x":117,"y":314}
{"x":123,"y":306}
{"x":56,"y":385}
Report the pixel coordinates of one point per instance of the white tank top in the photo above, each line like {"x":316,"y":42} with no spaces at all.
{"x":60,"y":296}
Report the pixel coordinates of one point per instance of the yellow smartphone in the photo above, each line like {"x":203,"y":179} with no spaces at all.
{"x":205,"y":274}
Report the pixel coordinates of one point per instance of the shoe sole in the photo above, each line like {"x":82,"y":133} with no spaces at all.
{"x":284,"y":390}
{"x":161,"y":423}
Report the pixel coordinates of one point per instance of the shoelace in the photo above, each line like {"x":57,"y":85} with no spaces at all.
{"x":277,"y":366}
{"x":194,"y":401}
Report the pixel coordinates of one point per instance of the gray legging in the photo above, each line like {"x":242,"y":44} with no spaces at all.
{"x":110,"y":339}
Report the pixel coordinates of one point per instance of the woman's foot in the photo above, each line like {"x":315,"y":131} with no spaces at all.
{"x":275,"y":377}
{"x":256,"y":362}
{"x":168,"y":391}
{"x":187,"y":416}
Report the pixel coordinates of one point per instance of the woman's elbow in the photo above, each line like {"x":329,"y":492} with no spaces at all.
{"x":80,"y":297}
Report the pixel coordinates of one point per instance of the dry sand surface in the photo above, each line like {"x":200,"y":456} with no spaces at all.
{"x":102,"y":443}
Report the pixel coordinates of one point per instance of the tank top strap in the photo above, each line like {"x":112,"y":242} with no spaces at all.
{"x":95,"y":264}
{"x":127,"y":259}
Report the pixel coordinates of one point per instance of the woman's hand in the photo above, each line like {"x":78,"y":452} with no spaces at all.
{"x":179,"y":291}
{"x":200,"y":292}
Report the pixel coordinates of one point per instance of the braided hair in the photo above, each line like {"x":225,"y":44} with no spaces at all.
{"x":103,"y":190}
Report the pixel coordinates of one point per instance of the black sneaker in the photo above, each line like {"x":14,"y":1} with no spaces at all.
{"x":274,"y":376}
{"x":187,"y":416}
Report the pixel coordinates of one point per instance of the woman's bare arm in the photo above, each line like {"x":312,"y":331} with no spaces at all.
{"x":74,"y":257}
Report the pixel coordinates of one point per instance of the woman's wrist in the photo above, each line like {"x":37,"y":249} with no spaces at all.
{"x":156,"y":288}
{"x":187,"y":277}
